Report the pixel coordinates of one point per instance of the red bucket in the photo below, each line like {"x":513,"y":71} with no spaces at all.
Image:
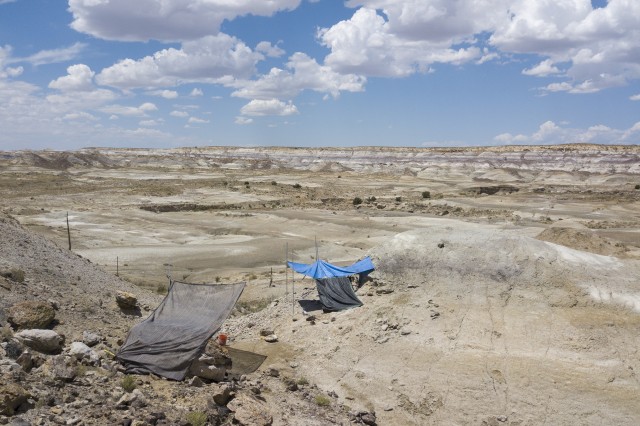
{"x":222,"y":339}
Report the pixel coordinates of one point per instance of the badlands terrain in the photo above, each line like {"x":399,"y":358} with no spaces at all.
{"x":506,"y":289}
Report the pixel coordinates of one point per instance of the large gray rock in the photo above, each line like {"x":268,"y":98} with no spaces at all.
{"x":46,"y":341}
{"x":63,"y":368}
{"x":250,"y":411}
{"x":12,"y":396}
{"x":31,"y":314}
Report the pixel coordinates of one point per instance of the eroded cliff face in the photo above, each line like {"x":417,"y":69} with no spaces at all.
{"x":568,"y":158}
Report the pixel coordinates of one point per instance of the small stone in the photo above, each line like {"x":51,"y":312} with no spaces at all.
{"x":273,"y":372}
{"x":368,"y":419}
{"x":90,"y":339}
{"x":502,"y":418}
{"x":196,"y":382}
{"x":271,"y":339}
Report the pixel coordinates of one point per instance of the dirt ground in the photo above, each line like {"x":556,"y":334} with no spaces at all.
{"x":535,"y":287}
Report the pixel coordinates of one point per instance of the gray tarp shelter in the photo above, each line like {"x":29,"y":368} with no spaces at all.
{"x":176,"y":333}
{"x":334,"y":287}
{"x":336,"y":294}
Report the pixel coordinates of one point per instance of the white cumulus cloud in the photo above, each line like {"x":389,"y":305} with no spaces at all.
{"x":139,"y":111}
{"x":305,"y":74}
{"x":543,"y":69}
{"x":195,"y":120}
{"x":212,"y":59}
{"x":79,"y":78}
{"x":260,"y":107}
{"x":168,"y":20}
{"x":551,"y":133}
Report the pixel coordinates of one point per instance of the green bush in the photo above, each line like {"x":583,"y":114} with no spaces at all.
{"x":426,"y":194}
{"x":302,"y":381}
{"x":398,"y":199}
{"x":197,"y":418}
{"x":322,"y":400}
{"x":357,"y":201}
{"x":273,"y":182}
{"x":638,"y":186}
{"x":128,"y":383}
{"x":161,"y":289}
{"x":371,"y":199}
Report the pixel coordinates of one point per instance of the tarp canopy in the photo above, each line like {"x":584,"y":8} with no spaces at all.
{"x":176,"y":333}
{"x":336,"y":294}
{"x":322,"y":269}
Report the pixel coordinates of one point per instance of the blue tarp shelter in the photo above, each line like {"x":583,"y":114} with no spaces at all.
{"x":321,"y":269}
{"x":334,"y":288}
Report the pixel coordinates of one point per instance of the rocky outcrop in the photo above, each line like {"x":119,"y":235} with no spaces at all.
{"x":31,"y":314}
{"x":12,"y":396}
{"x":126,"y":300}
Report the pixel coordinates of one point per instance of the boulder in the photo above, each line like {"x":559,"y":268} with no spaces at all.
{"x":223,"y":395}
{"x":126,"y":300}
{"x":204,"y":367}
{"x":134,"y":399}
{"x":90,"y":339}
{"x":250,"y":411}
{"x":63,"y":368}
{"x":46,"y":341}
{"x":25,"y":360}
{"x":82,"y":352}
{"x":9,"y":366}
{"x":12,"y":396}
{"x":31,"y":314}
{"x":13,"y":348}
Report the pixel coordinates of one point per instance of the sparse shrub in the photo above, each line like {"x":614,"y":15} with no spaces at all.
{"x":322,"y":400}
{"x":252,"y":276}
{"x":638,"y":186}
{"x":217,"y":279}
{"x":5,"y":333}
{"x":246,"y":183}
{"x":17,"y":275}
{"x":426,"y":194}
{"x":197,"y":418}
{"x":252,"y":306}
{"x":161,"y":289}
{"x":128,"y":383}
{"x":302,"y":381}
{"x":371,"y":199}
{"x":398,"y":199}
{"x":274,"y":183}
{"x":357,"y":201}
{"x":297,"y":186}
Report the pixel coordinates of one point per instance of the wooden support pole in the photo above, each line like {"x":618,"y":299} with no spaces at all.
{"x":117,"y":266}
{"x":68,"y":232}
{"x":286,"y":269}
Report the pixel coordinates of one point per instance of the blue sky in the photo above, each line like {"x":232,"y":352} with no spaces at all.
{"x":169,"y":73}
